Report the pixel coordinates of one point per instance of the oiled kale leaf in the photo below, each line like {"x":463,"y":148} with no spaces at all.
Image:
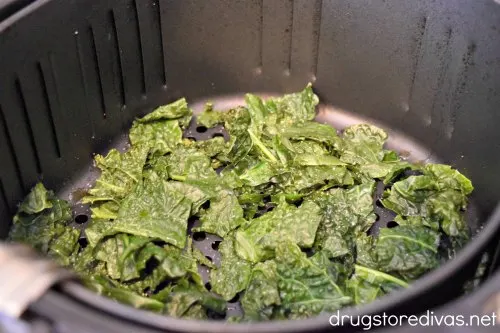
{"x":368,"y":284}
{"x":345,"y":213}
{"x":42,"y":221}
{"x":258,"y":241}
{"x":312,"y":131}
{"x":233,"y":274}
{"x":36,"y":201}
{"x":185,"y":296}
{"x":434,"y":199}
{"x":403,"y":251}
{"x":305,"y":288}
{"x":224,"y":214}
{"x":160,"y":130}
{"x":175,"y":110}
{"x":293,"y":108}
{"x":120,"y":173}
{"x":189,"y":164}
{"x":155,"y":209}
{"x":362,"y":146}
{"x":108,"y":287}
{"x":261,"y":293}
{"x":120,"y":255}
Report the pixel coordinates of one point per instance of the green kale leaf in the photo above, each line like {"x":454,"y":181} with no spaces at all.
{"x":156,"y":210}
{"x":233,"y":275}
{"x":259,"y":239}
{"x":305,"y":288}
{"x":368,"y":284}
{"x":42,"y":222}
{"x":111,"y":289}
{"x":161,"y":130}
{"x":224,"y":215}
{"x":174,"y":110}
{"x":120,"y":173}
{"x":188,"y":164}
{"x":345,"y":213}
{"x":403,"y":251}
{"x":261,"y":293}
{"x":294,"y":108}
{"x":185,"y":295}
{"x":434,"y":198}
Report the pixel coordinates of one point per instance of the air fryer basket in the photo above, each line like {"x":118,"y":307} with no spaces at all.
{"x":74,"y":74}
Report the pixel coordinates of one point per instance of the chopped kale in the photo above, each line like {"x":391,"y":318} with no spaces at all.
{"x":291,"y":198}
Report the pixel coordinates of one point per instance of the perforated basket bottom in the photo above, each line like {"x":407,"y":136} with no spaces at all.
{"x":208,"y":243}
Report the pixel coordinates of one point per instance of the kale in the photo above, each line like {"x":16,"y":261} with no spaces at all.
{"x":233,"y":274}
{"x":367,"y":284}
{"x":434,"y":199}
{"x":292,"y":200}
{"x":405,"y":251}
{"x":185,"y":295}
{"x":261,"y":292}
{"x":107,"y":287}
{"x":120,"y":173}
{"x":155,"y":210}
{"x":305,"y":288}
{"x":258,"y":240}
{"x":42,"y":221}
{"x":345,"y":214}
{"x":161,"y":130}
{"x":224,"y":214}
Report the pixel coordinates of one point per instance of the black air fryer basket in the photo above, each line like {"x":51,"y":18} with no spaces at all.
{"x":75,"y":73}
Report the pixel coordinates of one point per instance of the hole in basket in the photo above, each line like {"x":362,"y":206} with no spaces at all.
{"x":201,"y":129}
{"x":151,"y":264}
{"x":373,"y":231}
{"x":259,"y":214}
{"x":206,"y":205}
{"x":81,"y":218}
{"x":267,"y":199}
{"x":299,"y":202}
{"x":147,"y":291}
{"x":377,"y":217}
{"x":379,"y":204}
{"x":270,"y":208}
{"x":159,"y":243}
{"x":217,"y":135}
{"x":83,"y":242}
{"x":215,"y":245}
{"x":392,"y":224}
{"x":208,"y":286}
{"x":164,"y":284}
{"x":309,"y":252}
{"x":408,"y":173}
{"x":199,"y":236}
{"x":235,"y":299}
{"x":191,"y":222}
{"x":215,"y":316}
{"x":209,"y":258}
{"x":191,"y":138}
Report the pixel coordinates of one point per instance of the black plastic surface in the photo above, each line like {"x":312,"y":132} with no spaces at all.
{"x":73,"y":75}
{"x":9,"y":7}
